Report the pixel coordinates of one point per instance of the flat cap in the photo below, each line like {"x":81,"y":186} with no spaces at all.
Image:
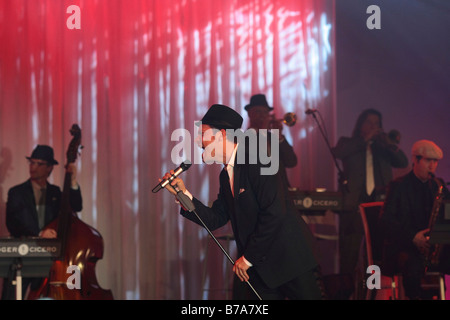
{"x":427,"y":149}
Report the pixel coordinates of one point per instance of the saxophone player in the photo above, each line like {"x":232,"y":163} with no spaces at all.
{"x":406,"y":214}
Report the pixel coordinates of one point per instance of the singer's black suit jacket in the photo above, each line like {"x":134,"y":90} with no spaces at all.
{"x":269,"y":231}
{"x":21,"y":214}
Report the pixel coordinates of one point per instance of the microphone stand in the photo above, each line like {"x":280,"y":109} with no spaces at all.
{"x":189,"y":206}
{"x":342,"y":180}
{"x":17,"y":268}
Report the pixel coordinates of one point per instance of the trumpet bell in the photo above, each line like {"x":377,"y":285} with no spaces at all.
{"x":290,"y":119}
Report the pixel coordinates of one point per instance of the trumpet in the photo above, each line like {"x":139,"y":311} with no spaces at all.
{"x":289,"y":119}
{"x":392,"y":137}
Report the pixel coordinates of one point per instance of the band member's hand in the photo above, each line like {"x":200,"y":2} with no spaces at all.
{"x":48,"y":234}
{"x":382,"y":138}
{"x":176,"y":183}
{"x":421,"y":241}
{"x":372,"y":134}
{"x":275,"y":124}
{"x":240,"y":269}
{"x":72,"y":169}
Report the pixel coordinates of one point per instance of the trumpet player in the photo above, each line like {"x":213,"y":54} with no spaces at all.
{"x":368,"y":157}
{"x":261,"y":117}
{"x":406,"y":216}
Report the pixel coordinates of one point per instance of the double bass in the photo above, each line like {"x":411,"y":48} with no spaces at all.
{"x":81,"y":246}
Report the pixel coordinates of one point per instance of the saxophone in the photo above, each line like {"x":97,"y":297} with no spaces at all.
{"x":432,"y":257}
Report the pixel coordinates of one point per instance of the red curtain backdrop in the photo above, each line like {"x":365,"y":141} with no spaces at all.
{"x":136,"y":71}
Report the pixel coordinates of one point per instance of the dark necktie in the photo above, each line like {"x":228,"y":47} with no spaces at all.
{"x":225,"y":183}
{"x":41,"y":209}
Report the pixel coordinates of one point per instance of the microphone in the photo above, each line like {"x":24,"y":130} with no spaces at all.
{"x":310,"y":111}
{"x":183,"y":167}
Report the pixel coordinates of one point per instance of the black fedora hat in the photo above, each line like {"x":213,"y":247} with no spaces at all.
{"x":220,"y":116}
{"x":258,"y":100}
{"x":43,"y":152}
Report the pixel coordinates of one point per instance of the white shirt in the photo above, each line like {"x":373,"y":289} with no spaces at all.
{"x":230,"y":168}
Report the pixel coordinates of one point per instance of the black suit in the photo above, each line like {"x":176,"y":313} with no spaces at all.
{"x":288,"y":158}
{"x":268,"y":230}
{"x":22,"y":218}
{"x":21,"y":214}
{"x":406,"y":211}
{"x":352,"y":153}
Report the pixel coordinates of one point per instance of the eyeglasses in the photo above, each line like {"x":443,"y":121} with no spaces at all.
{"x":38,"y":163}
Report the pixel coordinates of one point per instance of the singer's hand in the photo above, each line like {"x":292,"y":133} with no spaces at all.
{"x":175,"y":183}
{"x":240,"y":269}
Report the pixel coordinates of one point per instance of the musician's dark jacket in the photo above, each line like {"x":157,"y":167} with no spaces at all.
{"x":288,"y":158}
{"x":352,"y":152}
{"x":406,"y":211}
{"x":268,"y":230}
{"x":22,"y":221}
{"x":21,"y":214}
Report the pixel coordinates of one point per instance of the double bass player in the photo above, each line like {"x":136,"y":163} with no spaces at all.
{"x":35,"y":203}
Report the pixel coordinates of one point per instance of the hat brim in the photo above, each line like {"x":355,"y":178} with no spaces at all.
{"x":217,"y":124}
{"x":51,"y":162}
{"x":249,"y":106}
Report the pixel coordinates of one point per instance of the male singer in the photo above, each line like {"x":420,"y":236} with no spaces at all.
{"x":274,"y":243}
